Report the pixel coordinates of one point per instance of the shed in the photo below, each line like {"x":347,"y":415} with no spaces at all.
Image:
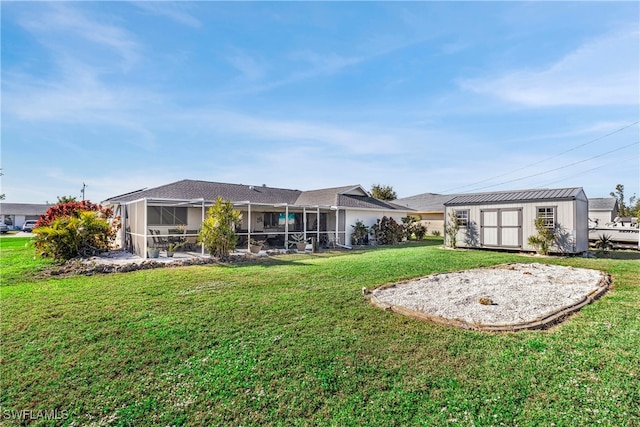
{"x":506,"y":219}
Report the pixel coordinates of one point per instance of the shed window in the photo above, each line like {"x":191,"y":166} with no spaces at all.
{"x":162,"y":215}
{"x":548,"y":215}
{"x":463,"y":217}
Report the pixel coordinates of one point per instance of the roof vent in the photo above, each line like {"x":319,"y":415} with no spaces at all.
{"x":264,"y":185}
{"x":251,"y":187}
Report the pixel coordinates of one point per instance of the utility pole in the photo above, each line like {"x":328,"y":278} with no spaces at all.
{"x":83,"y":187}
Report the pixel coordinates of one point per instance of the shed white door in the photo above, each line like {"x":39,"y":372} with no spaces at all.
{"x":501,"y":228}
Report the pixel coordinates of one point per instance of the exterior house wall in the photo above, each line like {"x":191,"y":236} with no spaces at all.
{"x":369,"y":218}
{"x":570,"y":217}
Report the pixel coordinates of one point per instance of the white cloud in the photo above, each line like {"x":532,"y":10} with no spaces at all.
{"x":251,"y":69}
{"x":602,"y":72}
{"x":175,"y":11}
{"x":59,"y":21}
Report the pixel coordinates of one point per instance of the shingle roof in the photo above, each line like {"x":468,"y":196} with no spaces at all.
{"x":193,"y":190}
{"x":426,"y":202}
{"x":323,"y":197}
{"x":604,"y":204}
{"x":23,"y":209}
{"x":515,"y":196}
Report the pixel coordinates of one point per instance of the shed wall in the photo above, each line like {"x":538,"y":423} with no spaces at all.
{"x":567,"y":218}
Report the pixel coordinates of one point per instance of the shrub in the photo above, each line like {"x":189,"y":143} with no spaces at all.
{"x":419,"y":230}
{"x":69,"y":236}
{"x":72,"y":229}
{"x":72,"y":209}
{"x":451,"y":229}
{"x":544,"y":239}
{"x":604,"y":243}
{"x":360,"y":234}
{"x":387,"y":231}
{"x":218,"y":234}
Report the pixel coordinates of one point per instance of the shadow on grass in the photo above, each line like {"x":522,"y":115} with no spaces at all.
{"x":626,"y":255}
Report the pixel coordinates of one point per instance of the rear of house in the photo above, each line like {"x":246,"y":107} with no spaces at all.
{"x":505,"y":220}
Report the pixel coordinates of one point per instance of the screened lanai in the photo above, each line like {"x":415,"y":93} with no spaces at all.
{"x":153,"y":222}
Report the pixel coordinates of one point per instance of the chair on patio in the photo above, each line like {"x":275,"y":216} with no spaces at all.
{"x":158,"y":242}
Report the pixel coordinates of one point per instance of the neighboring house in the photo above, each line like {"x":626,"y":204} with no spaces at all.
{"x":429,"y":208}
{"x":15,"y":214}
{"x":505,"y":220}
{"x":602,"y":211}
{"x":268,"y":214}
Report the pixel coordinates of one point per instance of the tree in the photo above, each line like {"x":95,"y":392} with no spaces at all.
{"x":545,"y":237}
{"x":383,"y":192}
{"x":625,"y":209}
{"x":451,"y":228}
{"x":218,"y":234}
{"x":65,"y":199}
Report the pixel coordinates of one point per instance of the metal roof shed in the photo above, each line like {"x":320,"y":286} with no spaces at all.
{"x":505,"y":219}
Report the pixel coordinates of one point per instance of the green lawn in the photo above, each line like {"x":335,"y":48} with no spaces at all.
{"x":291,"y":341}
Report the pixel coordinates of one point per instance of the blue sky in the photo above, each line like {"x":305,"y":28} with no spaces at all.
{"x":441,"y":97}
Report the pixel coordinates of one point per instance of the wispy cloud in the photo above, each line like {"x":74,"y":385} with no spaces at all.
{"x":178,"y":12}
{"x":601,"y":72}
{"x":250,"y":68}
{"x":59,"y":24}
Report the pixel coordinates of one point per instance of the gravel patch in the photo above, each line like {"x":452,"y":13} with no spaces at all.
{"x":507,"y":297}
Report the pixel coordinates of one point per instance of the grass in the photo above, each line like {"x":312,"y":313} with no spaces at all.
{"x":291,"y":341}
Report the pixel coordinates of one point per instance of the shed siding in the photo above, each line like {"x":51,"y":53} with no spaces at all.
{"x":570,"y":215}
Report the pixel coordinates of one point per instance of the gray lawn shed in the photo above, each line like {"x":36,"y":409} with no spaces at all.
{"x":505,"y":219}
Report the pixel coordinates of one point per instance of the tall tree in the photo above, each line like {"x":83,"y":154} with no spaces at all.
{"x":383,"y":192}
{"x":625,"y":209}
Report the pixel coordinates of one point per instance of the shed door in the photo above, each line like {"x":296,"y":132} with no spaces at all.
{"x":489,"y":227}
{"x":501,"y":228}
{"x":511,"y":228}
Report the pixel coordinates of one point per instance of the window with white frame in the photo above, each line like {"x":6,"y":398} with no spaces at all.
{"x":463,"y":217}
{"x":548,"y":215}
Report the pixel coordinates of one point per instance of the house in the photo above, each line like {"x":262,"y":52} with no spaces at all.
{"x":269,"y":214}
{"x":14,"y":215}
{"x":602,"y":211}
{"x":428,"y":208}
{"x":505,"y":220}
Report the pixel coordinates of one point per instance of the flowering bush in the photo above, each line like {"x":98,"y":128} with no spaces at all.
{"x":68,"y":230}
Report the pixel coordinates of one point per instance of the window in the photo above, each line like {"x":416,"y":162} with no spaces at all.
{"x":161,"y":215}
{"x":271,"y":219}
{"x":548,"y":215}
{"x":463,"y":218}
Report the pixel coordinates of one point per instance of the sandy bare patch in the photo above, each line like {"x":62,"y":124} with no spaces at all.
{"x":507,"y":297}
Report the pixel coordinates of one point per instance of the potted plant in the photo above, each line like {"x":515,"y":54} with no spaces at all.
{"x":173,"y":248}
{"x":153,"y":252}
{"x":299,"y":240}
{"x":255,"y":246}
